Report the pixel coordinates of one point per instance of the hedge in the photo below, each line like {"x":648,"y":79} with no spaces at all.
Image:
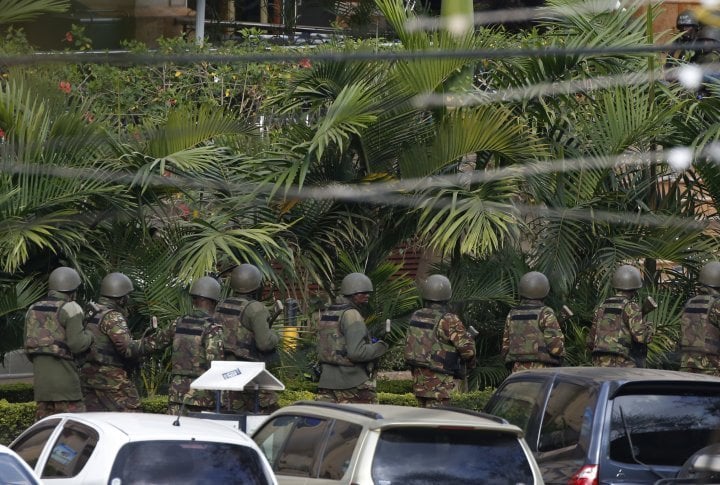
{"x":16,"y":392}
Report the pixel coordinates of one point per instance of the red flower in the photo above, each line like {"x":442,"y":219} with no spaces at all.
{"x":89,"y":117}
{"x":2,"y":133}
{"x":65,"y":87}
{"x":305,"y":63}
{"x":68,"y":37}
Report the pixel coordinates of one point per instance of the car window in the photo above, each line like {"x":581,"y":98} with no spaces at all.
{"x":568,"y":412}
{"x":687,"y":422}
{"x":71,"y":451}
{"x":516,"y":402}
{"x":291,"y":443}
{"x":12,"y":472}
{"x":439,"y":456}
{"x":187,"y":462}
{"x":30,"y":446}
{"x":339,"y":449}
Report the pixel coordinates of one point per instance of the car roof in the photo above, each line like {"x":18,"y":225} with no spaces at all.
{"x":617,"y":374}
{"x":146,"y":426}
{"x":388,"y":415}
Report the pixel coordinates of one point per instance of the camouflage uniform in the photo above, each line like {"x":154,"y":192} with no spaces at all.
{"x":438,"y":349}
{"x":104,"y":377}
{"x":700,"y":329}
{"x":247,"y":337}
{"x":53,"y":333}
{"x":197,"y":341}
{"x":532,"y":338}
{"x":347,"y":356}
{"x":617,"y":323}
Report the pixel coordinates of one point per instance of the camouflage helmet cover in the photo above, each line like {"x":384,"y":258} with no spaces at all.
{"x":534,"y":285}
{"x":64,"y":279}
{"x":436,"y":288}
{"x":116,"y":285}
{"x":627,"y":277}
{"x":206,"y":287}
{"x":687,"y":18}
{"x":710,"y":274}
{"x":245,"y":278}
{"x":355,"y":283}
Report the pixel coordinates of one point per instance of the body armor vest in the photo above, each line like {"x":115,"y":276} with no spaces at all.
{"x":102,"y":351}
{"x":43,"y":332}
{"x":332,"y":347}
{"x":612,"y":335}
{"x":527,"y":342}
{"x":188,"y":357}
{"x":237,"y":340}
{"x":698,"y":334}
{"x":423,"y":346}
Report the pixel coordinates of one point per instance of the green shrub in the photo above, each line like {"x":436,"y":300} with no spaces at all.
{"x":155,"y":405}
{"x":17,"y":392}
{"x":14,"y":419}
{"x":288,"y":397}
{"x":474,"y":400}
{"x":407,"y":399}
{"x":399,"y":386}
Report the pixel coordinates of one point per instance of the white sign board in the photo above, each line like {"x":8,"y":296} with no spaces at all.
{"x":225,"y":375}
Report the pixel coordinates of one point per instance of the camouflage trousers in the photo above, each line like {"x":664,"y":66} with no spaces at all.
{"x":244,"y":402}
{"x":700,"y":363}
{"x":432,"y":389}
{"x":365,"y":393}
{"x":177,"y":409}
{"x":125,"y":398}
{"x":612,"y":360}
{"x":46,"y":408}
{"x":431,"y":402}
{"x":527,"y":365}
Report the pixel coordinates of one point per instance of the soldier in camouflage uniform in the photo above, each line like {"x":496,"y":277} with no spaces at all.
{"x":700,"y":325}
{"x":197,"y":341}
{"x":247,"y":335}
{"x":345,"y":350}
{"x":53,"y":334}
{"x":104,"y":376}
{"x":618,"y":322}
{"x":532,"y":337}
{"x":438,"y":348}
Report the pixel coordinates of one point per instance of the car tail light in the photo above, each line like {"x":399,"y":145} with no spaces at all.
{"x":587,"y":475}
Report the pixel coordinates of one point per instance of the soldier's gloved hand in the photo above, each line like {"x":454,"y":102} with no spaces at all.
{"x":374,"y":340}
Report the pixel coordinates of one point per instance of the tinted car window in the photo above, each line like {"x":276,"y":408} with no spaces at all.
{"x":71,"y":451}
{"x":438,"y":456}
{"x":517,"y":402}
{"x":339,"y":449}
{"x":291,"y":443}
{"x":32,"y":444}
{"x":687,"y":422}
{"x":187,"y":462}
{"x":569,"y":408}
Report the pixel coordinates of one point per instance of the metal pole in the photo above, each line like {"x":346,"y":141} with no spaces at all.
{"x":200,"y":21}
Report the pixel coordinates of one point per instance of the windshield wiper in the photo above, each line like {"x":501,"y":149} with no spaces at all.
{"x":632,"y":448}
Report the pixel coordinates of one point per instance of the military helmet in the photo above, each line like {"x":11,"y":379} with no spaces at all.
{"x":709,"y":33}
{"x":116,"y":285}
{"x":355,"y":283}
{"x":710,"y":275}
{"x":436,"y":288}
{"x":206,"y":287}
{"x":245,"y":278}
{"x":64,"y":279}
{"x":534,"y":285}
{"x":687,"y":18}
{"x":627,"y":277}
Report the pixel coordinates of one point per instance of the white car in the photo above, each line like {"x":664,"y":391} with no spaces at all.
{"x":318,"y":443}
{"x":13,"y":470}
{"x":124,"y":448}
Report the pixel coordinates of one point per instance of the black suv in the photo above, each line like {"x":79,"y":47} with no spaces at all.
{"x":597,"y":425}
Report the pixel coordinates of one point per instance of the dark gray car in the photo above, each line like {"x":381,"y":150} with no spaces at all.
{"x":595,"y":425}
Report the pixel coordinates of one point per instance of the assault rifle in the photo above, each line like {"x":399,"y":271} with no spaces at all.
{"x":638,"y":351}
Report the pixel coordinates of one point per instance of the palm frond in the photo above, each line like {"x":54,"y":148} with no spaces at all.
{"x":24,"y":10}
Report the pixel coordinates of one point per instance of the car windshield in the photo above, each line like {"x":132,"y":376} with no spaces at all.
{"x":437,"y":456}
{"x":687,"y":421}
{"x":13,"y":473}
{"x":187,"y":462}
